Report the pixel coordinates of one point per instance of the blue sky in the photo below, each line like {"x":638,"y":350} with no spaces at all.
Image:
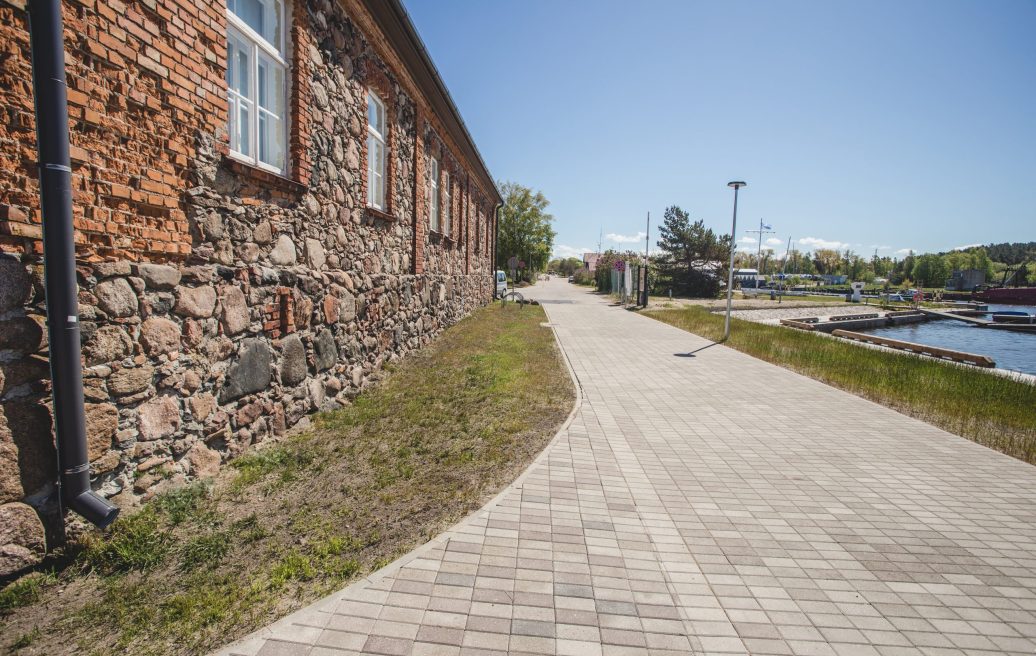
{"x":894,"y":125}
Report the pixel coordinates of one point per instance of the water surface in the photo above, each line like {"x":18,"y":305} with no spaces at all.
{"x":1011,"y":350}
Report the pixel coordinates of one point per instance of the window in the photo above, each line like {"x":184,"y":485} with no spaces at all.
{"x":433,"y":194}
{"x":447,"y":209}
{"x":257,"y":87}
{"x":375,"y":151}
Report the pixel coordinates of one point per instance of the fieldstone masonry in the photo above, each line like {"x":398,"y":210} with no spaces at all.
{"x":223,"y":305}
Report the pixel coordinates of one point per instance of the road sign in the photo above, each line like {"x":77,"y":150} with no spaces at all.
{"x":512,"y":262}
{"x":521,"y":264}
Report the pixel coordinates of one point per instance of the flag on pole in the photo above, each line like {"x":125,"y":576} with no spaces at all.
{"x":767,"y":227}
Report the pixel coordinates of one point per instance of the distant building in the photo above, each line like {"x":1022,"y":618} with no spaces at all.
{"x":590,"y":261}
{"x":830,"y":279}
{"x":965,"y":280}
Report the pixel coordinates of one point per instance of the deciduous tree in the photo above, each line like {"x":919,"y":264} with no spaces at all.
{"x":525,"y":229}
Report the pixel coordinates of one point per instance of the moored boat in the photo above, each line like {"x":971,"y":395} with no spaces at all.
{"x":1013,"y":316}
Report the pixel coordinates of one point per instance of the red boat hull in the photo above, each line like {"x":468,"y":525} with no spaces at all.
{"x":1015,"y":295}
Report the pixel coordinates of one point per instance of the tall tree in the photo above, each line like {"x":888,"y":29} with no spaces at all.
{"x":827,"y":260}
{"x":929,"y":271}
{"x":693,"y":257}
{"x":525,"y":229}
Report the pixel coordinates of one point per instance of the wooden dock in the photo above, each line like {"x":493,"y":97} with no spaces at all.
{"x":847,"y":321}
{"x":981,"y":323}
{"x":921,"y":349}
{"x":953,"y":315}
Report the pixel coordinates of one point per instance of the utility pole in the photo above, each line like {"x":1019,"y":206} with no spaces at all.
{"x":735,"y":185}
{"x":647,"y":239}
{"x":763,"y":230}
{"x":784,"y":272}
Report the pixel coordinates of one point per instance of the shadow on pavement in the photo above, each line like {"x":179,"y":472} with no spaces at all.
{"x":691,"y":353}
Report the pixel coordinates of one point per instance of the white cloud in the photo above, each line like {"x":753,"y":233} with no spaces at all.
{"x":747,"y":240}
{"x":773,"y":241}
{"x":965,"y":247}
{"x":812,"y":243}
{"x":560,"y":250}
{"x":625,"y":239}
{"x":905,"y":251}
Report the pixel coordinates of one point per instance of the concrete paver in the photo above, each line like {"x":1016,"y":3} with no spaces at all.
{"x":702,"y":501}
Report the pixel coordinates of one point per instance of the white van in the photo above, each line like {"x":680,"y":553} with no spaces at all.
{"x":501,"y":283}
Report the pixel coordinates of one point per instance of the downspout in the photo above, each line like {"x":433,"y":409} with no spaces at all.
{"x":59,"y":263}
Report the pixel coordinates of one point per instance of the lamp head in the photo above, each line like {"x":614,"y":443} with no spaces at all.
{"x":736,"y":184}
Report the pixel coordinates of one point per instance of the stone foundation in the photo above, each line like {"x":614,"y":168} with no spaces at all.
{"x":185,"y":367}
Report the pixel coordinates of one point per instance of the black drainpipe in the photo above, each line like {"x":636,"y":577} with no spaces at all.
{"x":59,"y":263}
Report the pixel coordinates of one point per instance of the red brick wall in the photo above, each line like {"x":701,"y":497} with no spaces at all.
{"x":145,"y":78}
{"x":142,"y":77}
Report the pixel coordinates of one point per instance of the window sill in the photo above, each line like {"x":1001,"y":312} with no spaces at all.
{"x":442,"y":237}
{"x":261,"y":175}
{"x":375,"y":213}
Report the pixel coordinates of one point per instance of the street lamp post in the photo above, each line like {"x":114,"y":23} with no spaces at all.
{"x":737,"y":184}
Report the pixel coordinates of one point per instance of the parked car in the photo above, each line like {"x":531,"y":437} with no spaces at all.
{"x":897,"y":297}
{"x":571,"y":278}
{"x":501,"y":283}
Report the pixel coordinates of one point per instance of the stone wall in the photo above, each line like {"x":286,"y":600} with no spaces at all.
{"x":286,"y":295}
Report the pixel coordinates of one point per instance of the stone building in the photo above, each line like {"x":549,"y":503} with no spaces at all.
{"x":272,"y":199}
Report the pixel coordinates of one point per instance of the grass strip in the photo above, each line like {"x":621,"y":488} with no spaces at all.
{"x":286,"y":524}
{"x":992,"y":410}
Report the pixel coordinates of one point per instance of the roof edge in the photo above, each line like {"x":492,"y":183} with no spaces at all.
{"x":401,"y":32}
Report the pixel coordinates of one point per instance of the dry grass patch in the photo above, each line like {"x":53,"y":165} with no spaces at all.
{"x":289,"y":523}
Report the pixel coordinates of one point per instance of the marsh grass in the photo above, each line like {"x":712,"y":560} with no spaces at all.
{"x":288,"y":523}
{"x":989,"y":409}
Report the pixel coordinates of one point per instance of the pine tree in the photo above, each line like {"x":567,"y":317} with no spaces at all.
{"x":694,"y":259}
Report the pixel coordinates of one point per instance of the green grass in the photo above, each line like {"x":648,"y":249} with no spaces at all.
{"x":989,"y":409}
{"x":24,"y":592}
{"x":290,"y":522}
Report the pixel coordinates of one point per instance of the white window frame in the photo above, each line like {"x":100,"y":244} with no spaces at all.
{"x":259,"y":43}
{"x":433,"y":194}
{"x":447,"y":214}
{"x":382,"y":139}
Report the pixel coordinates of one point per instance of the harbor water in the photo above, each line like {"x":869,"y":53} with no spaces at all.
{"x":1015,"y":351}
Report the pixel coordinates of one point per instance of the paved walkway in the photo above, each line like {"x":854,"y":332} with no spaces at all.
{"x":709,"y":504}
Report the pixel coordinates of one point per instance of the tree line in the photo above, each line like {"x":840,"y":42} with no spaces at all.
{"x":693,"y":259}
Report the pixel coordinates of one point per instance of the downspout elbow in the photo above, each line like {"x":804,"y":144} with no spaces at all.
{"x":78,"y":496}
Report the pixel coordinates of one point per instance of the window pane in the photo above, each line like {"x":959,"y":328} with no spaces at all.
{"x":244,"y":128}
{"x":272,"y":90}
{"x":447,"y":204}
{"x":263,"y":16}
{"x":239,"y":64}
{"x":379,"y":192}
{"x":271,"y":100}
{"x":375,"y":114}
{"x":433,"y":188}
{"x":371,"y":144}
{"x":232,"y":129}
{"x":379,"y":162}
